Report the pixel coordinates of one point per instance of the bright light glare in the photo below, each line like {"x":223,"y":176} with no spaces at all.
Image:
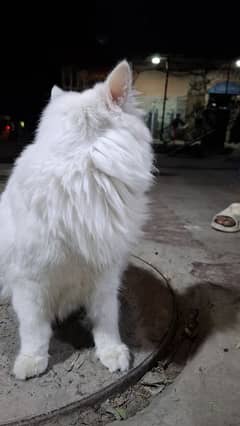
{"x":156,"y":60}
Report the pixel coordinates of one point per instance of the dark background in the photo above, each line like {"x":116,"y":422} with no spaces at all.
{"x":37,"y":40}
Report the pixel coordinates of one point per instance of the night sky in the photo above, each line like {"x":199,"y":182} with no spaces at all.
{"x":36,"y":43}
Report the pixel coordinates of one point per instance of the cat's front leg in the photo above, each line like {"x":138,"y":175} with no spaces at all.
{"x":104,"y":312}
{"x":34,"y":330}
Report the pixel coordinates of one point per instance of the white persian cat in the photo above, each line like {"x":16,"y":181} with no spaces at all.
{"x":70,"y":215}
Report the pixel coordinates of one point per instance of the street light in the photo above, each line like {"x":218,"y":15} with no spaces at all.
{"x":156,"y":59}
{"x":237,"y":63}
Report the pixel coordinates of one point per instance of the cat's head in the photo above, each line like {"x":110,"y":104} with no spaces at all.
{"x":86,"y":114}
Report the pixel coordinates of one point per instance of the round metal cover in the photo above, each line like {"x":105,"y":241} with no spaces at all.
{"x":75,"y":379}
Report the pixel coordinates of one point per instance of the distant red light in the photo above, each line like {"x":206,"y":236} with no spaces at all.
{"x":7,"y":128}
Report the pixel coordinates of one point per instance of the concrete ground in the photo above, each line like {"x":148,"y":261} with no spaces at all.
{"x":204,"y":269}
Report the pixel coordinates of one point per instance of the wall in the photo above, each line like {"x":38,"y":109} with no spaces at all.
{"x":186,"y":91}
{"x":152,"y":83}
{"x":151,"y":86}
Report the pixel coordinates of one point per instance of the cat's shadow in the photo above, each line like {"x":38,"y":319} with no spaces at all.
{"x":146,"y":316}
{"x":146,"y":311}
{"x":72,"y":334}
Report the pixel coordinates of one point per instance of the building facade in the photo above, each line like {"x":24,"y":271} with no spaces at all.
{"x":188,"y":87}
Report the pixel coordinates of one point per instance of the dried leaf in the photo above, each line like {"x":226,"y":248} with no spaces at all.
{"x":121,"y":413}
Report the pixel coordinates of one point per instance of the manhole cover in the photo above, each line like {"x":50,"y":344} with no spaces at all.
{"x":75,"y":379}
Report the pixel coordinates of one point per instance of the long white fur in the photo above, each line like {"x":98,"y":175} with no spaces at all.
{"x":71,"y":213}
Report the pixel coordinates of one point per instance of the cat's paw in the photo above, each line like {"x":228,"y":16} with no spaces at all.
{"x":28,"y":366}
{"x":114,"y":357}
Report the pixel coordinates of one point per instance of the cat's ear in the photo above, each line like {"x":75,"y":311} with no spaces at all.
{"x":56,"y":91}
{"x":119,"y":83}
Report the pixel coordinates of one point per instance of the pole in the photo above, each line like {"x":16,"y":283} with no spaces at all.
{"x":228,"y":78}
{"x":225,"y":137}
{"x":164,"y":98}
